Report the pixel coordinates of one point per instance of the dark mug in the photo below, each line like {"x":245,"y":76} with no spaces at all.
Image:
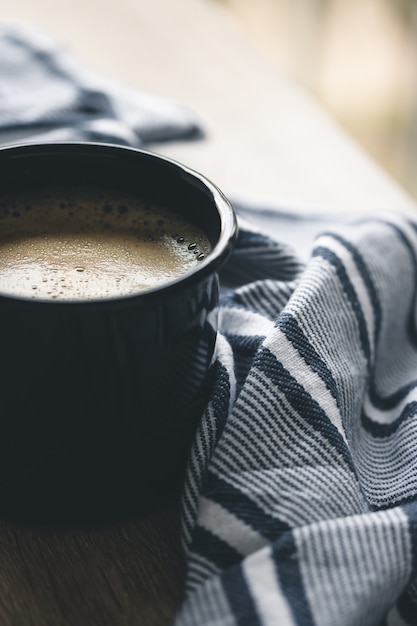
{"x":100,"y":398}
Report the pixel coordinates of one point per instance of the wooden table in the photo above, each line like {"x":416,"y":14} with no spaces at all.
{"x":124,"y":573}
{"x":267,"y":141}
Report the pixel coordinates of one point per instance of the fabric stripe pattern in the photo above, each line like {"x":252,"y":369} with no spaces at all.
{"x":316,"y":465}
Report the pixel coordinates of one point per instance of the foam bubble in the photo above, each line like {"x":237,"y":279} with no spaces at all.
{"x":81,"y":244}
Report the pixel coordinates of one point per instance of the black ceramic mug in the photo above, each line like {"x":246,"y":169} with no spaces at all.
{"x":100,"y":399}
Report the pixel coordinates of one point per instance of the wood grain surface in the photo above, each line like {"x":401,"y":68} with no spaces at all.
{"x":124,"y":574}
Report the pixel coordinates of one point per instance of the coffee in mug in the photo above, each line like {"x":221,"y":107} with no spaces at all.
{"x":83,"y":243}
{"x":106,"y":367}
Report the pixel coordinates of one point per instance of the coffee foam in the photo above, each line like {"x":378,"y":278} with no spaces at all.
{"x":77,"y":244}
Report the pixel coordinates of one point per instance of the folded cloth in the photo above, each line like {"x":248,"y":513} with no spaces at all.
{"x":299,"y":506}
{"x":300,"y":502}
{"x":47,"y":95}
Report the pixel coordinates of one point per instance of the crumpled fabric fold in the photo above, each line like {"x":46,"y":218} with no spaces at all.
{"x":46,"y":94}
{"x":300,"y":502}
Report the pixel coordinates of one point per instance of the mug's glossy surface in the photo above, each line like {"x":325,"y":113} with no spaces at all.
{"x":100,"y":399}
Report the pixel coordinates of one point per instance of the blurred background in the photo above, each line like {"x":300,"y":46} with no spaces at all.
{"x":358,"y":58}
{"x":225,"y":59}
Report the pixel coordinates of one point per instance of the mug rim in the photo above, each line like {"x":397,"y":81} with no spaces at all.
{"x":220,"y":250}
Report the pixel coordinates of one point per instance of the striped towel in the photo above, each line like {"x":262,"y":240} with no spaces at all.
{"x":300,"y":502}
{"x":299,"y":506}
{"x":47,"y":95}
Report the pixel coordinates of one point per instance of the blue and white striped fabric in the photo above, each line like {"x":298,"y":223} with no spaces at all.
{"x":47,"y":95}
{"x":300,"y":501}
